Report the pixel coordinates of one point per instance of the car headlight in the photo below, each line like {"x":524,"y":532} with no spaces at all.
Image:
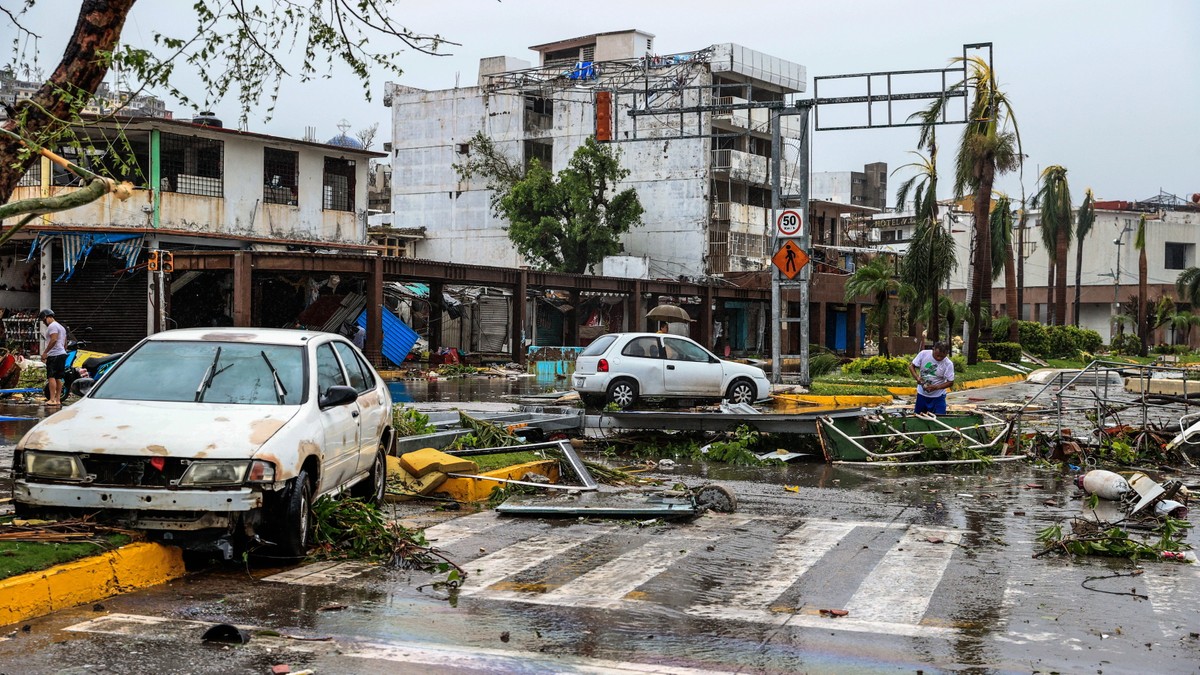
{"x":209,"y":473}
{"x":53,"y":465}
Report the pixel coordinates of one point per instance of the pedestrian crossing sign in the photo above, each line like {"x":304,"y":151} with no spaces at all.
{"x":790,"y":259}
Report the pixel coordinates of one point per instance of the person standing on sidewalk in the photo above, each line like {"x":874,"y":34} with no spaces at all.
{"x":934,"y":372}
{"x":54,"y":355}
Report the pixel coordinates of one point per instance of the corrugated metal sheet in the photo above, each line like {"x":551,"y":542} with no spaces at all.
{"x":398,"y":338}
{"x":493,"y":323}
{"x":114,"y":305}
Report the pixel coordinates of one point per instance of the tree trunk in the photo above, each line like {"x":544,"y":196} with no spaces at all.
{"x":1143,"y":313}
{"x":82,"y":68}
{"x":1061,"y":245}
{"x":1010,"y":297}
{"x":1078,"y":277}
{"x":884,"y":320}
{"x":981,"y":271}
{"x":935,"y":314}
{"x":1049,"y":289}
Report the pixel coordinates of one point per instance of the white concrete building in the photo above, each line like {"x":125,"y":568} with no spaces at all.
{"x":861,"y":188}
{"x":702,"y":177}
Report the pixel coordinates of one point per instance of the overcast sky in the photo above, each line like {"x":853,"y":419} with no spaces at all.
{"x":1106,"y":88}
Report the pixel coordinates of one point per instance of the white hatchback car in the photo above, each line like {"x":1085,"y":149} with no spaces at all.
{"x":620,"y":368}
{"x":215,"y":436}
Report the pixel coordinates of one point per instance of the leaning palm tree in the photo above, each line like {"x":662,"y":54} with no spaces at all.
{"x":1087,"y":218}
{"x":988,"y":148}
{"x":1002,"y":260}
{"x":930,"y":258}
{"x":877,"y":280}
{"x":1055,"y":200}
{"x":1143,"y":317}
{"x":1187,"y":286}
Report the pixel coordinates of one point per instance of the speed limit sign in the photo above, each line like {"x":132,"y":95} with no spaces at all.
{"x":789,"y":223}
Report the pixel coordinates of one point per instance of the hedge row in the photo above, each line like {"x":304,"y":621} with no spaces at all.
{"x":1056,"y":342}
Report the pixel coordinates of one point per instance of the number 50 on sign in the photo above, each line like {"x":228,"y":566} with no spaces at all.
{"x":789,"y":223}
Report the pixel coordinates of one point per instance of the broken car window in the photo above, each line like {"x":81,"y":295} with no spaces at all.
{"x":171,"y":371}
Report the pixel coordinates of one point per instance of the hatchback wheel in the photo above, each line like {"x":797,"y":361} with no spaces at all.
{"x":741,"y":391}
{"x":622,"y":393}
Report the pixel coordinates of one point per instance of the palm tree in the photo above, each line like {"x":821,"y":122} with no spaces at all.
{"x":1002,"y":260}
{"x":1087,"y":218}
{"x":1187,"y":286}
{"x":1183,"y":321}
{"x":930,"y":258}
{"x":875,"y":279}
{"x":1139,"y":243}
{"x":987,"y":149}
{"x":1057,"y":218}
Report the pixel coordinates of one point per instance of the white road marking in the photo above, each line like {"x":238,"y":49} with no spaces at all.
{"x":494,"y":567}
{"x":453,"y":531}
{"x":795,"y":553}
{"x":627,"y":572}
{"x":900,"y":587}
{"x":324,"y":573}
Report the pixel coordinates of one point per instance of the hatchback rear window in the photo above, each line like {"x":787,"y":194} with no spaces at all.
{"x":598,"y":346}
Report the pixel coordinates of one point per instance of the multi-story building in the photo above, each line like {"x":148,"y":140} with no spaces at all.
{"x":702,"y":176}
{"x":197,"y":186}
{"x":861,"y":188}
{"x":106,"y":100}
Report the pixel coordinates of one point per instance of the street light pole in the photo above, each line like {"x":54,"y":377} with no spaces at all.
{"x":1116,"y":288}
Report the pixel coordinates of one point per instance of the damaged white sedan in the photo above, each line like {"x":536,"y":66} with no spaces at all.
{"x":214,"y":436}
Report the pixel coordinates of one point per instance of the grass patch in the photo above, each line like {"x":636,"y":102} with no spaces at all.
{"x":873,"y":384}
{"x":846,"y":389}
{"x":500,"y":460}
{"x":19,"y":557}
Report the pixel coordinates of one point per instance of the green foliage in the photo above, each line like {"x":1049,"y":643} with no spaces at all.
{"x":1007,"y":352}
{"x":823,"y":362}
{"x":566,"y":222}
{"x":1127,"y":344}
{"x":483,"y":434}
{"x":1033,"y":337}
{"x":984,"y":354}
{"x":960,"y":364}
{"x":352,"y":528}
{"x":896,"y":366}
{"x":410,"y":422}
{"x":1115,"y":541}
{"x":738,"y":450}
{"x":1000,"y":328}
{"x":19,"y":557}
{"x":456,"y":370}
{"x":837,"y":389}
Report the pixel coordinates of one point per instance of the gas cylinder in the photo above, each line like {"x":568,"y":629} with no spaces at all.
{"x":1170,"y":507}
{"x":1103,"y":484}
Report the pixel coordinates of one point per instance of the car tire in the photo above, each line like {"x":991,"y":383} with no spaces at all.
{"x":294,"y":520}
{"x":741,"y":391}
{"x":622,"y":393}
{"x":371,"y":490}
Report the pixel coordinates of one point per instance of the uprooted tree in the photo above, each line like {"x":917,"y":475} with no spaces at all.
{"x":231,"y":48}
{"x":566,"y":222}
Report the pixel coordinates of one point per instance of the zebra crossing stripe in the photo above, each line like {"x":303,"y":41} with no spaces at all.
{"x":495,"y":567}
{"x":900,"y":587}
{"x":622,"y":575}
{"x":796,"y":552}
{"x":454,"y":531}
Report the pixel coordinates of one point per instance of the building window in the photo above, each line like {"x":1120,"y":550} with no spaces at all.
{"x":192,"y":165}
{"x":281,"y":169}
{"x":337,"y":193}
{"x":1179,"y":256}
{"x":539,"y":114}
{"x":543,"y":152}
{"x":32,"y":177}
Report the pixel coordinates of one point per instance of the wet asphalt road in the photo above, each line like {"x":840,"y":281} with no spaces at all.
{"x":933,"y":570}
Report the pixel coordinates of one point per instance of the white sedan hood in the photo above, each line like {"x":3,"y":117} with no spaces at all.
{"x":148,"y":428}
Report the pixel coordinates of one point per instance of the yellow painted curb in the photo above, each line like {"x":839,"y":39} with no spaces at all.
{"x":833,"y":401}
{"x":902,"y":391}
{"x":991,"y":382}
{"x":125,"y":569}
{"x":479,"y":490}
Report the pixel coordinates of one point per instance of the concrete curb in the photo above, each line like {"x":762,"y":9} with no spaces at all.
{"x":991,"y":382}
{"x":836,"y":401}
{"x":125,"y":569}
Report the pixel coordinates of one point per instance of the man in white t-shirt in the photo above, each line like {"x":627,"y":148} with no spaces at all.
{"x":934,"y":372}
{"x":54,"y":355}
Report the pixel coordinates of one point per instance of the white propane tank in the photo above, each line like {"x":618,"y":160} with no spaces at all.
{"x":1104,"y":484}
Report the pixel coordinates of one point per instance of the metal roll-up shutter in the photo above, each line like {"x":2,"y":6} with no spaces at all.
{"x":493,"y":323}
{"x":100,"y":296}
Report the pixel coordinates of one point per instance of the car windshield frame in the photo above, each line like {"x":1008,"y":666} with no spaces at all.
{"x":192,"y":371}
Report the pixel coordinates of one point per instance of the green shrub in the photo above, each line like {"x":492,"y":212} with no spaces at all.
{"x":1000,"y":328}
{"x":1061,"y":343}
{"x":1183,"y":349}
{"x":879,"y":365}
{"x":960,"y":363}
{"x":1127,"y":344}
{"x":984,"y":354}
{"x":1008,"y":352}
{"x":1034,"y":338}
{"x":1163,"y":349}
{"x":823,"y":363}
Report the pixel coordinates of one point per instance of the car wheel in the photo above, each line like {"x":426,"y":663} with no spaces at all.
{"x":622,"y":393}
{"x":741,"y":391}
{"x":295,"y":518}
{"x":371,"y":490}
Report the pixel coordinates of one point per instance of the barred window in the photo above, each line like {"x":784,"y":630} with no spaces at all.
{"x":281,"y":170}
{"x":338,"y":185}
{"x":32,"y":177}
{"x":192,"y":165}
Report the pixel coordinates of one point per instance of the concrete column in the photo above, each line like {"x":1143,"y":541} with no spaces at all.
{"x":706,"y":318}
{"x":519,"y":317}
{"x":45,"y":279}
{"x":853,"y":317}
{"x":635,"y":314}
{"x":242,"y":286}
